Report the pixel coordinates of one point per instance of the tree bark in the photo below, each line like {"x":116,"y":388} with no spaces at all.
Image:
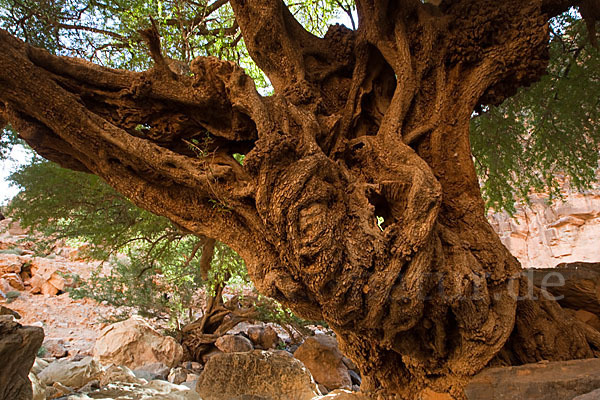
{"x":364,"y":126}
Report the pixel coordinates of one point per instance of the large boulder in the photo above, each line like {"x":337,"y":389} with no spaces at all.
{"x":542,"y":381}
{"x":575,"y":285}
{"x":74,"y":374}
{"x":321,"y":355}
{"x":18,"y":347}
{"x":55,"y":348}
{"x":134,"y":343}
{"x":256,"y":374}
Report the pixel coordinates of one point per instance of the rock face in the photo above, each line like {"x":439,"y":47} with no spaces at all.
{"x":542,"y":235}
{"x":18,"y":347}
{"x":134,"y":343}
{"x":256,"y":375}
{"x":543,"y":381}
{"x":321,"y":355}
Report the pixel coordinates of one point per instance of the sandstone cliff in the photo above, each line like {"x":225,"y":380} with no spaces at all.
{"x":544,"y":235}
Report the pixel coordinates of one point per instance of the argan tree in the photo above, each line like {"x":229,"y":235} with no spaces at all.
{"x":357,"y":202}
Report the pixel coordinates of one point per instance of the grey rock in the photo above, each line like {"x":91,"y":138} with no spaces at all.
{"x":356,"y":379}
{"x":152,"y":372}
{"x":74,"y":374}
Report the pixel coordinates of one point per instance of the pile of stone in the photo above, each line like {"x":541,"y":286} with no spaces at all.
{"x":134,"y":361}
{"x":20,"y":270}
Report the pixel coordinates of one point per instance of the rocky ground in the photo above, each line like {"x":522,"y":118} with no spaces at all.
{"x":35,"y":288}
{"x":84,"y":357}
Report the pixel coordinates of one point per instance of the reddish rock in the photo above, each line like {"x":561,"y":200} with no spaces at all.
{"x":134,"y":343}
{"x":233,"y":344}
{"x":589,"y":318}
{"x":542,"y":381}
{"x":255,"y":375}
{"x":55,"y":348}
{"x":14,"y":281}
{"x":264,"y":337}
{"x":10,"y":264}
{"x":321,"y":355}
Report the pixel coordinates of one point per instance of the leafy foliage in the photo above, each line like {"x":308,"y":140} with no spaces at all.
{"x":155,"y":267}
{"x":545,"y":133}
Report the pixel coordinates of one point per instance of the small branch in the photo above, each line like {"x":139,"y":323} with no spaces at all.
{"x":208,"y":251}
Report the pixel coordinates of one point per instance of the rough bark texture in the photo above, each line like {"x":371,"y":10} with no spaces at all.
{"x":362,"y":124}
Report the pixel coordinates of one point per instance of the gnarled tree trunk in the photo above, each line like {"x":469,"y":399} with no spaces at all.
{"x":364,"y":126}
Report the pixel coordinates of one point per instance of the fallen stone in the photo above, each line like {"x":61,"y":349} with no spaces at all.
{"x":264,"y":337}
{"x":4,"y":287}
{"x":10,"y":264}
{"x":542,"y":381}
{"x":266,"y":375}
{"x":119,"y":374}
{"x":343,"y":394}
{"x":177,"y":376}
{"x":155,"y":390}
{"x":321,"y":355}
{"x":233,"y":344}
{"x":18,"y":347}
{"x":73,"y":374}
{"x":55,"y":348}
{"x":39,"y":365}
{"x":90,"y":386}
{"x":61,"y":390}
{"x":8,"y":311}
{"x":38,"y":387}
{"x":134,"y":344}
{"x":14,"y":281}
{"x":152,"y":372}
{"x":589,"y":318}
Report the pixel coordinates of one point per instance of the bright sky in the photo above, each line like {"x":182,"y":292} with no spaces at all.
{"x":18,"y":156}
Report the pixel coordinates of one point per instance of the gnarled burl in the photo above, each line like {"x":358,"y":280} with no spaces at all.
{"x":363,"y":126}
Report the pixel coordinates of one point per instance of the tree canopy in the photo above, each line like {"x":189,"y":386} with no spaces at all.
{"x":357,"y":201}
{"x":530,"y":142}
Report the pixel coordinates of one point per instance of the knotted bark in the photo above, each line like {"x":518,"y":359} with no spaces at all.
{"x":357,"y":202}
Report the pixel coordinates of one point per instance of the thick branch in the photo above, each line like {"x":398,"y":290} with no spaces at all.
{"x":76,"y":130}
